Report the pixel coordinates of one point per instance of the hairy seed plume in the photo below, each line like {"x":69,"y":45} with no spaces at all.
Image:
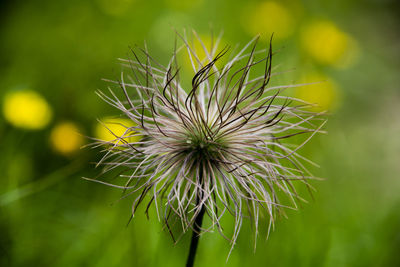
{"x":218,"y":147}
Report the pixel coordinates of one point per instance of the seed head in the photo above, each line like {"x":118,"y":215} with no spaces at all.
{"x":218,"y":146}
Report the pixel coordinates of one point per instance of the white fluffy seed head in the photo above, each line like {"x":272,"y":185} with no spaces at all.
{"x":217,"y":146}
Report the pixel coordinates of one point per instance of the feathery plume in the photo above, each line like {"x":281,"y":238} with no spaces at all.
{"x":215,"y":149}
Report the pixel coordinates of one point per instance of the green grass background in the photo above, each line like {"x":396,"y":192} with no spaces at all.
{"x":49,"y":216}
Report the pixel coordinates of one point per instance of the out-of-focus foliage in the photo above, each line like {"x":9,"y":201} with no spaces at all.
{"x":53,"y":56}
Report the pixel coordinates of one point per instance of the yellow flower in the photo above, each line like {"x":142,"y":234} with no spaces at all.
{"x":198,"y":51}
{"x":324,"y":92}
{"x":26,"y":109}
{"x":65,"y":138}
{"x":213,"y":45}
{"x":327,"y":44}
{"x":110,"y":129}
{"x":267,"y":18}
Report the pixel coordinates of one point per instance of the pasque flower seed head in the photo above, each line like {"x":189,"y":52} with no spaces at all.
{"x":214,"y":148}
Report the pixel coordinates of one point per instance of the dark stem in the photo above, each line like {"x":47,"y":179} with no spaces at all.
{"x":197,"y":223}
{"x":195,"y":238}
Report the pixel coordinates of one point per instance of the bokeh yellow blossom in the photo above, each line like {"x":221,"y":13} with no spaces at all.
{"x":269,"y":17}
{"x":65,"y":138}
{"x":322,"y":91}
{"x":108,"y":128}
{"x":324,"y":42}
{"x":197,"y":46}
{"x":26,"y":109}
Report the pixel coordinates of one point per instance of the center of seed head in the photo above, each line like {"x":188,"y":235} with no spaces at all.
{"x":202,"y":148}
{"x":199,"y":145}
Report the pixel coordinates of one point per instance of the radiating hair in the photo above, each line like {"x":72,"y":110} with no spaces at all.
{"x":216,"y":147}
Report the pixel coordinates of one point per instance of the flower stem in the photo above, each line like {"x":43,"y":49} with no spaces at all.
{"x":195,"y":238}
{"x":197,"y":223}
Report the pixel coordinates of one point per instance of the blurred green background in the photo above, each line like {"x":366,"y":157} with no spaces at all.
{"x":53,"y":55}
